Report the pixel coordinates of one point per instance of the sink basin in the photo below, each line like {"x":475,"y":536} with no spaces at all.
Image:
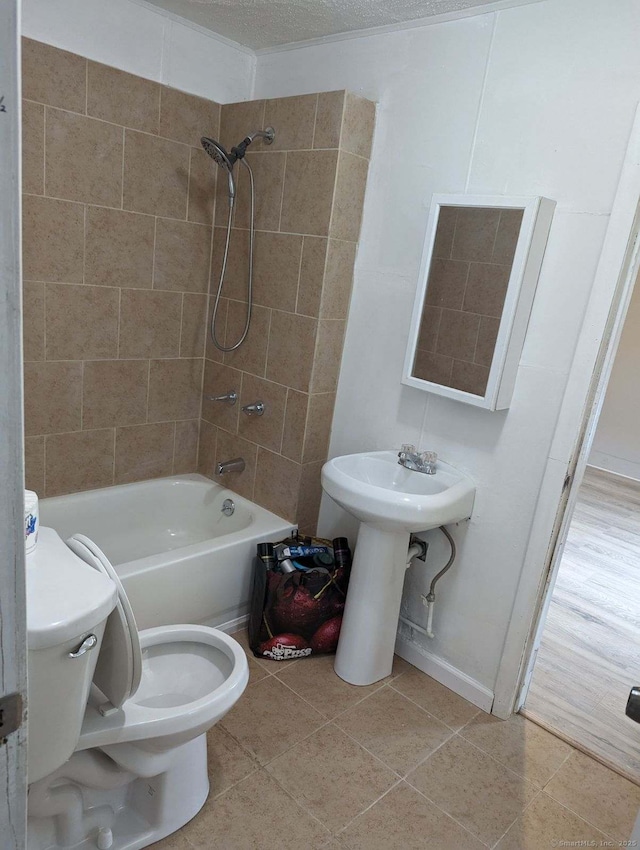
{"x":377,"y":490}
{"x":391,"y":502}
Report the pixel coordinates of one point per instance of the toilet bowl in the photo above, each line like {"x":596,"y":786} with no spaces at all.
{"x":139,"y":768}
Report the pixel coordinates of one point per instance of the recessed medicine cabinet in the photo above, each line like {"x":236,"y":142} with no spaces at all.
{"x":478,"y":276}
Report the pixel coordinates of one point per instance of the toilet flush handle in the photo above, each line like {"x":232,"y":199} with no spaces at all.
{"x":88,"y":643}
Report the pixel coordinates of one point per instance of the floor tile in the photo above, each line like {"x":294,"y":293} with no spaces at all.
{"x":253,"y":815}
{"x":519,"y":744}
{"x":269,"y":718}
{"x":404,"y":820}
{"x":177,"y":841}
{"x":546,"y":824}
{"x":257,"y":671}
{"x":473,"y":788}
{"x":334,"y":696}
{"x":435,"y":698}
{"x":394,"y":729}
{"x":331,"y":776}
{"x":227,"y":762}
{"x":597,"y":794}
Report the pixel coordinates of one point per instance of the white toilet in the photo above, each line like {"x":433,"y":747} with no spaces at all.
{"x":117,"y":718}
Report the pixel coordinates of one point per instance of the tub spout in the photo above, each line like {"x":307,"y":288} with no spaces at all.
{"x":225,"y":466}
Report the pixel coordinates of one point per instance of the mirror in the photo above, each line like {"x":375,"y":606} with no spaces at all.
{"x":479,"y":271}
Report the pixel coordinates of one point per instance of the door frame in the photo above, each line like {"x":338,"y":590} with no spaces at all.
{"x":586,"y":385}
{"x":13,"y":642}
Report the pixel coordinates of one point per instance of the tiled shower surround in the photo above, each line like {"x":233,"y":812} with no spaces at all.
{"x":120,"y":256}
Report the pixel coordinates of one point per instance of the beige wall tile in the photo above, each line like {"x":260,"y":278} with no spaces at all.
{"x":32,"y":147}
{"x":458,"y":334}
{"x":486,"y":289}
{"x":202,"y":187}
{"x":52,"y":397}
{"x":268,"y":171}
{"x":475,"y":234}
{"x":277,"y":480}
{"x":114,"y":393}
{"x":358,"y":124}
{"x":212,"y":352}
{"x":314,"y":254}
{"x":182,"y":256}
{"x":186,"y":118}
{"x":236,"y":274}
{"x":80,"y":461}
{"x":338,"y":279}
{"x":407,"y":816}
{"x":504,"y":247}
{"x":119,"y":248}
{"x":318,"y":432}
{"x":237,"y":120}
{"x":328,"y":356}
{"x":194,"y":321}
{"x":33,"y":320}
{"x":52,"y":240}
{"x":34,"y":464}
{"x":471,"y":787}
{"x":149,"y":323}
{"x":291,"y":347}
{"x":276,"y":269}
{"x":144,"y":451}
{"x":293,"y":120}
{"x":487,"y":335}
{"x":446,"y":283}
{"x":309,"y":175}
{"x":185,"y":455}
{"x":444,"y":232}
{"x":329,"y":119}
{"x":309,"y":497}
{"x":432,"y":367}
{"x":228,"y":447}
{"x":221,"y":380}
{"x":265,"y":430}
{"x":429,"y":327}
{"x":252,"y":354}
{"x":175,"y":388}
{"x":53,"y":76}
{"x":469,"y":377}
{"x":81,"y":322}
{"x":348,"y":200}
{"x":122,"y":98}
{"x":295,"y":421}
{"x":207,"y":449}
{"x":156,"y":175}
{"x":83,"y":159}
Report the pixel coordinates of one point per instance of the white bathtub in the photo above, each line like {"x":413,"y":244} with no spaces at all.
{"x":181,"y":560}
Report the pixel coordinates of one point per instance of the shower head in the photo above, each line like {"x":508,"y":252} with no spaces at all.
{"x":220,"y":156}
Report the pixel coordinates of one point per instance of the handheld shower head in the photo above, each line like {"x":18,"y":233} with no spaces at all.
{"x":220,"y":156}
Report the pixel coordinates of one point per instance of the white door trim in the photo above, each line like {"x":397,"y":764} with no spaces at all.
{"x":588,"y":377}
{"x":13,"y":676}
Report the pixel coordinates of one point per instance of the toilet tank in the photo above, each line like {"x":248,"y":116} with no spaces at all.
{"x":68,"y":602}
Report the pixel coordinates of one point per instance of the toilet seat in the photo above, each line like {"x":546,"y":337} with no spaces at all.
{"x":166,"y":682}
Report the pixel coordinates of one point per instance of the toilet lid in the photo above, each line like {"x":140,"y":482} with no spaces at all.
{"x":119,"y":666}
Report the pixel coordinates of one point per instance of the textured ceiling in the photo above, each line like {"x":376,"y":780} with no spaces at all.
{"x":261,"y":24}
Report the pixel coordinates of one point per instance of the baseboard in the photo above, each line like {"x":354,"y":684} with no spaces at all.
{"x":617,"y":467}
{"x":234,"y":625}
{"x":445,"y":673}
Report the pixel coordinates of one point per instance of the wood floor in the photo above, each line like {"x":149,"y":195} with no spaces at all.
{"x":589,"y":657}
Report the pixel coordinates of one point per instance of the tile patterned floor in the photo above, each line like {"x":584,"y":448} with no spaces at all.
{"x":308,"y":762}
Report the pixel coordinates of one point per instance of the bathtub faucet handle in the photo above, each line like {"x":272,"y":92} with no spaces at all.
{"x":255,"y":409}
{"x":227,"y":398}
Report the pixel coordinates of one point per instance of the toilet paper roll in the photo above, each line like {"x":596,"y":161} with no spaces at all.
{"x":31,"y":520}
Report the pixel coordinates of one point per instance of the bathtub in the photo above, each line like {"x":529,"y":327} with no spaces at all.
{"x":179,"y":557}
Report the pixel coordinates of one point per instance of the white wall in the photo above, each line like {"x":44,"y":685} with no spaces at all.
{"x":616,"y":444}
{"x":135,"y":38}
{"x":534,"y":100}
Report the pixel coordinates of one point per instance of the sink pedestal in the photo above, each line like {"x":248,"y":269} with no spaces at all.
{"x":370,"y":621}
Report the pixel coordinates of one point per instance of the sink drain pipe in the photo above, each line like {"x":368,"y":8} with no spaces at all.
{"x":429,"y":600}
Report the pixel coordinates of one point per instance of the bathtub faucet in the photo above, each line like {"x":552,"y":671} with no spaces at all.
{"x":225,"y":466}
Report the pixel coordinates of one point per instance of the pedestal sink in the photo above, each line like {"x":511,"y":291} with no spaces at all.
{"x":391,"y":502}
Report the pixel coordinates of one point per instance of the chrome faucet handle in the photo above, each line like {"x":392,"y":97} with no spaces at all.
{"x":228,"y":398}
{"x":255,"y":409}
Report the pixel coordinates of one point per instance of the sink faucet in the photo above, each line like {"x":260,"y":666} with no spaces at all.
{"x":417,"y":461}
{"x":225,"y":466}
